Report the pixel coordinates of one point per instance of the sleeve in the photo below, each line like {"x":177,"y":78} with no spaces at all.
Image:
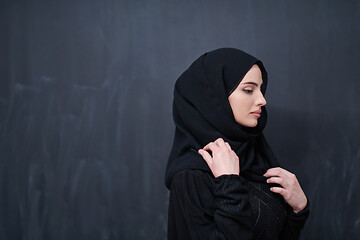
{"x":295,"y":223}
{"x":203,"y":207}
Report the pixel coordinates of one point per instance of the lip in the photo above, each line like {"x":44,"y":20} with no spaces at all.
{"x":256,"y":113}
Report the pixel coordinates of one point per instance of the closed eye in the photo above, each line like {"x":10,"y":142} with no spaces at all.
{"x":248,"y":91}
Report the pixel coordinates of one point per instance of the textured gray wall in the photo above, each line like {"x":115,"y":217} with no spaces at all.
{"x":85,"y":108}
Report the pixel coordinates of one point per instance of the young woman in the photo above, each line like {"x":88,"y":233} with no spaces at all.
{"x":224,"y":180}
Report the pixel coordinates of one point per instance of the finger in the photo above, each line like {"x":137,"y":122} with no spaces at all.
{"x":278,"y":190}
{"x":220,"y":142}
{"x":206,"y":147}
{"x":211,"y":147}
{"x":284,"y":171}
{"x":206,"y":156}
{"x":274,"y":172}
{"x":277,"y":180}
{"x":227,"y":145}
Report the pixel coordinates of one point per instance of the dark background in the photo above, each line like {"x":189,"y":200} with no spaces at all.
{"x":86,"y":96}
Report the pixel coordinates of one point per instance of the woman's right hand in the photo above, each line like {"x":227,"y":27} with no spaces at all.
{"x":223,"y":160}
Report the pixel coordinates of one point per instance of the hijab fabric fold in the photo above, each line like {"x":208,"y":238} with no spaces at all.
{"x":202,"y":114}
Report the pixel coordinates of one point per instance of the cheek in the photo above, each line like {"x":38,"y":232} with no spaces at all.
{"x":240,"y":104}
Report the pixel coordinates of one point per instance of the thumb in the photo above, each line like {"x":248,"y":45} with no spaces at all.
{"x":206,"y":156}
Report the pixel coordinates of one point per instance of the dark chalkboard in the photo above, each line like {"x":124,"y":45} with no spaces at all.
{"x":85,"y":108}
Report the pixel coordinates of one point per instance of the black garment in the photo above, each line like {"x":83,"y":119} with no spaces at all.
{"x":202,"y":207}
{"x":228,"y":207}
{"x":202,"y":113}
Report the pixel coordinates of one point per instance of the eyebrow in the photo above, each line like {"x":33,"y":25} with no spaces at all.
{"x":252,"y":83}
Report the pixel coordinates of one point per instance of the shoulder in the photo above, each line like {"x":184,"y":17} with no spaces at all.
{"x":200,"y":179}
{"x":192,"y":175}
{"x":192,"y":187}
{"x":192,"y":179}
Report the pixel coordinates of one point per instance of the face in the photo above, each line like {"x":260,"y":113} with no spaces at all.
{"x":247,"y":99}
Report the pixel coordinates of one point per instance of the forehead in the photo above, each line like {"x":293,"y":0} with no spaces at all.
{"x":253,"y":76}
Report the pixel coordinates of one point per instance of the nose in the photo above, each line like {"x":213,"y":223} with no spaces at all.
{"x":260,"y":101}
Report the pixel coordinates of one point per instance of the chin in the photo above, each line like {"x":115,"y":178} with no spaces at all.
{"x":248,"y":124}
{"x":252,"y":124}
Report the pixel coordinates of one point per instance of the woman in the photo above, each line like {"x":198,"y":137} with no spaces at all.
{"x":224,"y":180}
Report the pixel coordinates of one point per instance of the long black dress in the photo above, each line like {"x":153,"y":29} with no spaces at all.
{"x":228,"y":207}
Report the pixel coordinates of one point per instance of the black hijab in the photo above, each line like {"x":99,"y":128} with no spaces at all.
{"x":202,"y":114}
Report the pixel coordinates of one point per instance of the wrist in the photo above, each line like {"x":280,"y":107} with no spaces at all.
{"x":226,"y":174}
{"x":300,"y":207}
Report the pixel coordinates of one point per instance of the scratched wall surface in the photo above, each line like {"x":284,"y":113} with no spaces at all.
{"x":85,"y":108}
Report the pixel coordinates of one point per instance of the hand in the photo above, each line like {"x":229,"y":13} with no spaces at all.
{"x":290,"y":190}
{"x":223,"y":161}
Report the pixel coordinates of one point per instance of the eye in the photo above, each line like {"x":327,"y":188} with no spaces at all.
{"x":248,"y":91}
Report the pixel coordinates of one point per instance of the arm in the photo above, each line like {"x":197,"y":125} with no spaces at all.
{"x":293,"y":194}
{"x":204,"y":207}
{"x":294,"y":224}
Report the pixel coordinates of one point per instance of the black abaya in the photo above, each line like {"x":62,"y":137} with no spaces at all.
{"x":230,"y":206}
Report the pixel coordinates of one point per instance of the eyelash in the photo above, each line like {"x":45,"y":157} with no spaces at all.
{"x":248,"y":91}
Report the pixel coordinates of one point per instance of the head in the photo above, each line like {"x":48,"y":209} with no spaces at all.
{"x":247,"y":99}
{"x":217,"y":97}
